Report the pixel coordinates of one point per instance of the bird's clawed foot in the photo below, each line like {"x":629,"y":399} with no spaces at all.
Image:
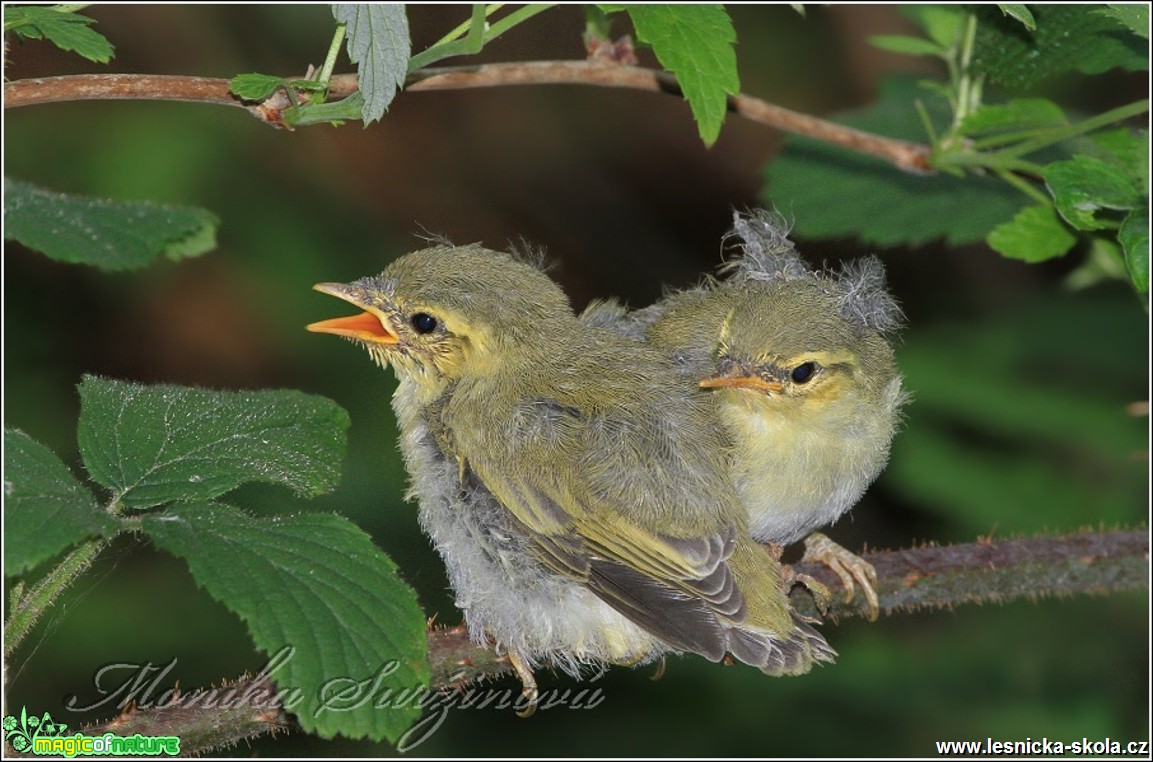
{"x":849,"y":567}
{"x":530,"y":693}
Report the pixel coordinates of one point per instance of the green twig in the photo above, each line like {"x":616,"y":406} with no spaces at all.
{"x":1026,"y":187}
{"x":927,"y":123}
{"x":480,"y":33}
{"x":508,"y":22}
{"x":27,"y":611}
{"x":448,"y":47}
{"x":965,"y":158}
{"x":1080,"y":128}
{"x":967,"y":96}
{"x":468,"y":26}
{"x":325,"y":72}
{"x":1007,"y":138}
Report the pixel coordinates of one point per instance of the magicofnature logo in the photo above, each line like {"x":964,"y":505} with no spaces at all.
{"x":29,"y":734}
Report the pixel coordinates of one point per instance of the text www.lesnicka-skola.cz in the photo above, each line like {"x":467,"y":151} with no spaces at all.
{"x":1043,"y":746}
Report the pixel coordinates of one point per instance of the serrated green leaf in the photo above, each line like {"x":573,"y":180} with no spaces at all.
{"x":834,"y":192}
{"x":45,"y":508}
{"x":254,"y":87}
{"x":905,"y":45}
{"x":1126,"y":149}
{"x":1134,"y":16}
{"x":1021,"y":13}
{"x":111,"y":235}
{"x":1017,"y":114}
{"x":695,"y":43}
{"x":155,"y":444}
{"x":64,"y":29}
{"x":314,"y":583}
{"x":1034,"y":235}
{"x":1068,"y":38}
{"x":1134,"y":238}
{"x":1084,"y":185}
{"x":379,"y":45}
{"x":943,"y":23}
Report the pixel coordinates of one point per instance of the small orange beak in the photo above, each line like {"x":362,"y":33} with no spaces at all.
{"x":370,"y":325}
{"x":756,"y":383}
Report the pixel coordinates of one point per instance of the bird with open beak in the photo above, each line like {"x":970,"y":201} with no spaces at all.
{"x":576,"y":487}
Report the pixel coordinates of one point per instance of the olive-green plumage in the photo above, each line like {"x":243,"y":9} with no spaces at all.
{"x":575,"y":485}
{"x":799,"y":366}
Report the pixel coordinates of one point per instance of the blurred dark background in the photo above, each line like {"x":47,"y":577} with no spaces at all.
{"x":1019,"y":423}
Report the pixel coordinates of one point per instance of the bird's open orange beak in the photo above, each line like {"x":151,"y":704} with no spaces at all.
{"x":755,"y":383}
{"x":370,"y":325}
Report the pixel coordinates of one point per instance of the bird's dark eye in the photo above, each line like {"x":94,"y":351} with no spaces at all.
{"x":423,"y":322}
{"x":803,"y":372}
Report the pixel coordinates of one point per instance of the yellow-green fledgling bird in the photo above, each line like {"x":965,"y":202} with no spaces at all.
{"x":575,"y":486}
{"x":801,"y":369}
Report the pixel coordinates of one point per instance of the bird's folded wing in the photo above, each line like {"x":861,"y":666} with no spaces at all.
{"x":680,"y":589}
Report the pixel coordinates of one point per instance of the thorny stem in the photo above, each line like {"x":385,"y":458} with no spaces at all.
{"x":26,"y":612}
{"x":986,"y":571}
{"x":929,"y":577}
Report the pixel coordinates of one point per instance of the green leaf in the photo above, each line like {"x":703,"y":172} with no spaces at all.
{"x":943,"y":23}
{"x":155,"y":444}
{"x":1134,"y":238}
{"x":1018,"y":114}
{"x":111,"y":235}
{"x":910,"y":46}
{"x":1021,"y":13}
{"x":834,"y":192}
{"x":314,"y":583}
{"x":64,"y":29}
{"x":379,"y":44}
{"x":1034,"y":235}
{"x":1068,"y":38}
{"x":45,"y":508}
{"x":695,"y":43}
{"x":254,"y":87}
{"x":1126,"y":149}
{"x":1135,"y":16}
{"x":1084,"y":185}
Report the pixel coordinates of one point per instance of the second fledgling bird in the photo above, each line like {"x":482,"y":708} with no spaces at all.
{"x":576,"y":488}
{"x":803,"y":377}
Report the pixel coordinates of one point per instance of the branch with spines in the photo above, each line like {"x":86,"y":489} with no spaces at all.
{"x":926,"y":577}
{"x":915,"y":579}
